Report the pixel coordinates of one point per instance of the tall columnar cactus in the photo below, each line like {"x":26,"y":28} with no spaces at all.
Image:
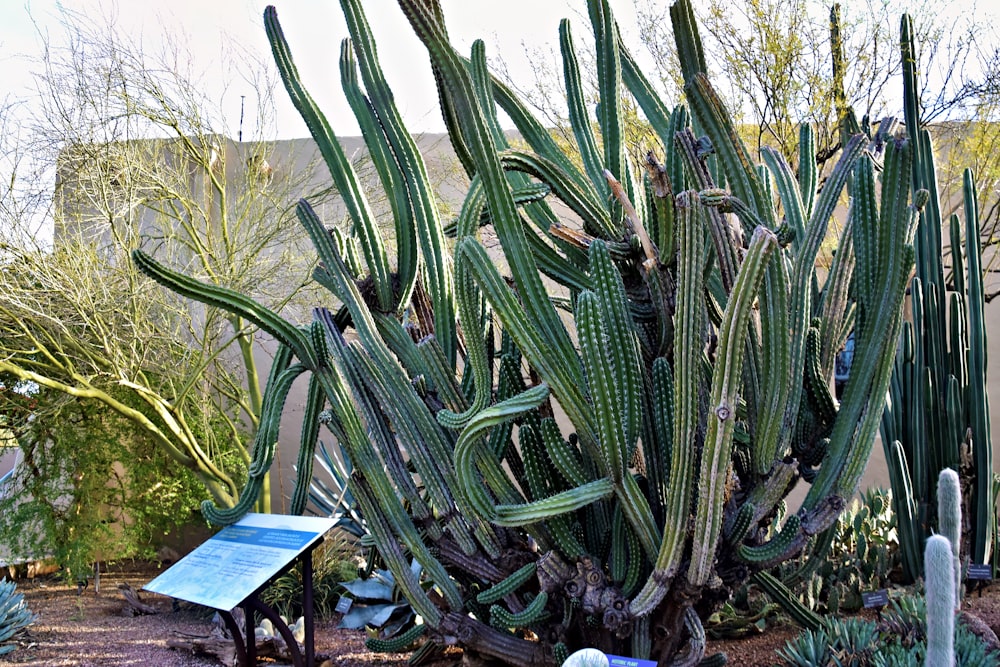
{"x":949,"y":512}
{"x":938,"y":403}
{"x":941,"y":594}
{"x":589,"y":449}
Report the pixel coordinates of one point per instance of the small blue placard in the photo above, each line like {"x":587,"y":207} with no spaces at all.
{"x":980,"y":572}
{"x":228,"y":567}
{"x":621,"y":661}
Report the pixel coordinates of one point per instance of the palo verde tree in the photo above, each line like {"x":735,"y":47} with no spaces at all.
{"x":584,"y":442}
{"x":140,"y":162}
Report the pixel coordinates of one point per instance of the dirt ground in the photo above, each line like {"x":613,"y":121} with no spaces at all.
{"x":93,"y":627}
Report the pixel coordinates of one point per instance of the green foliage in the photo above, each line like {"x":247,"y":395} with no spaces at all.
{"x":334,"y":561}
{"x":14,"y":615}
{"x":863,"y":553}
{"x":89,"y":485}
{"x":897,"y":639}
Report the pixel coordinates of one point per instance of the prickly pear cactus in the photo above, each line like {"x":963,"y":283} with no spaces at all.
{"x":586,"y":449}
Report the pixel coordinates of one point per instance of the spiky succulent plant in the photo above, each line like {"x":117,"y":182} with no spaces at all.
{"x":587,"y":446}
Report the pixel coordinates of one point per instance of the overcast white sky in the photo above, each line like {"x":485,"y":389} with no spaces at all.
{"x":314,"y":29}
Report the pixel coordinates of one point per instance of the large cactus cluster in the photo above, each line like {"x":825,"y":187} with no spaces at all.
{"x":587,"y":447}
{"x":938,"y":404}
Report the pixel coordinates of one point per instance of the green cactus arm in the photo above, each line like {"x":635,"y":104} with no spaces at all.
{"x":534,"y":301}
{"x":475,"y":321}
{"x":689,"y":48}
{"x":835,"y":310}
{"x":400,"y":642}
{"x":579,"y":118}
{"x":725,"y":254}
{"x":540,"y":477}
{"x":340,"y":167}
{"x":564,"y":456}
{"x":979,"y":404}
{"x":395,"y":522}
{"x":606,"y":391}
{"x":788,"y":191}
{"x":807,"y":167}
{"x":692,"y":254}
{"x":428,"y":449}
{"x":532,"y":613}
{"x":228,"y":300}
{"x":780,"y":593}
{"x":470,"y":451}
{"x":511,"y":583}
{"x":660,"y":118}
{"x":581,"y":201}
{"x":609,"y":80}
{"x":883,"y":269}
{"x":407,"y":257}
{"x":778,"y":548}
{"x":555,"y":505}
{"x":800,"y":302}
{"x":712,"y":117}
{"x":430,"y":233}
{"x":775,"y":359}
{"x":565,"y":376}
{"x":714,"y":474}
{"x":372,"y":508}
{"x":315,"y":400}
{"x":279,"y":384}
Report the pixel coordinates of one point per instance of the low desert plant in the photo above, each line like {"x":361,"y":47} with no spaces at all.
{"x":334,"y":561}
{"x":14,"y":615}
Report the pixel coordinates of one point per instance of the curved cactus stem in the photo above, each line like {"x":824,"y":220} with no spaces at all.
{"x":407,"y":257}
{"x":470,"y":449}
{"x":430,"y":235}
{"x":713,"y":479}
{"x":340,"y":167}
{"x":578,"y":116}
{"x":534,"y":612}
{"x":504,"y":588}
{"x":689,"y":341}
{"x":315,"y":400}
{"x":228,"y":300}
{"x":560,"y":503}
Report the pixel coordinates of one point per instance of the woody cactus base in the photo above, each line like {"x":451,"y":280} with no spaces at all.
{"x":585,"y":448}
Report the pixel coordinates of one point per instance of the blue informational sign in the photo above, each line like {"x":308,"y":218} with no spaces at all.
{"x":226,"y":569}
{"x":620,"y":661}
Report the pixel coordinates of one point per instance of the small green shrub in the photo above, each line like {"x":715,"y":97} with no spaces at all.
{"x":863,"y":555}
{"x":334,"y":562}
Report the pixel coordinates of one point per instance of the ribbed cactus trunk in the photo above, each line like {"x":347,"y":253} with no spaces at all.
{"x":938,"y":401}
{"x":674,"y":319}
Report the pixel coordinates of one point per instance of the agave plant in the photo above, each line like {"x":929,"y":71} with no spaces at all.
{"x":587,"y":447}
{"x":14,"y":615}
